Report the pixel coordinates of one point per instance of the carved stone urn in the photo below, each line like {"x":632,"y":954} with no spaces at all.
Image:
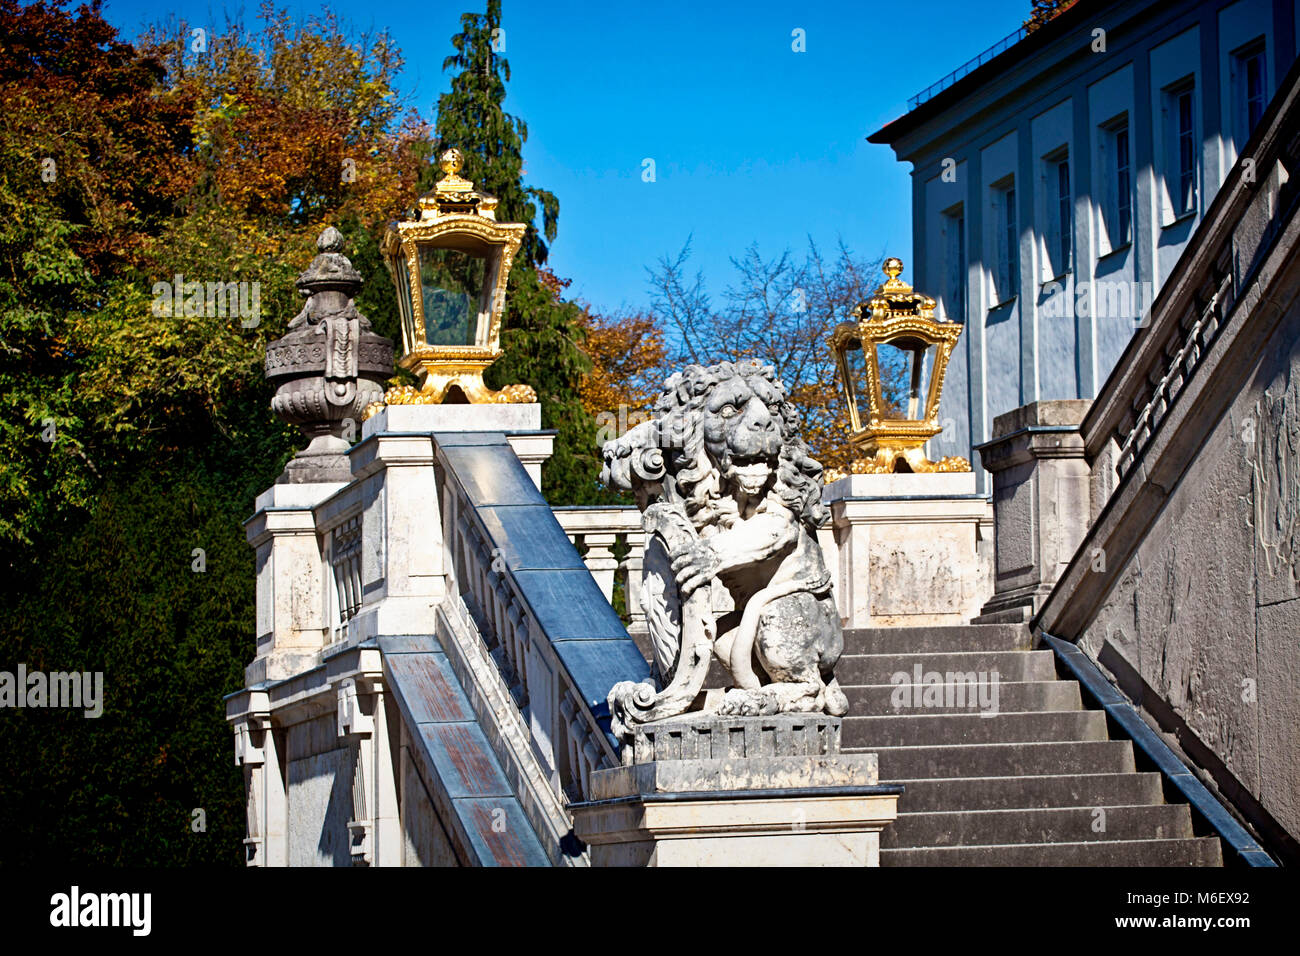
{"x":329,"y":366}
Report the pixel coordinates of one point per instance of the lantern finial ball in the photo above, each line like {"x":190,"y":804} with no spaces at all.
{"x":451,"y":161}
{"x":893,"y":267}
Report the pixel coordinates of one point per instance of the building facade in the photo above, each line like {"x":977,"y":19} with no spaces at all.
{"x":1055,"y":186}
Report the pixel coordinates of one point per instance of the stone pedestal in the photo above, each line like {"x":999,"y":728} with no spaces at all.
{"x":291,"y":580}
{"x":912,"y":549}
{"x":1040,"y":503}
{"x":747,"y":791}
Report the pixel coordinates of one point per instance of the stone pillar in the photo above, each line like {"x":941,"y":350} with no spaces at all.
{"x":374,"y":829}
{"x":403,"y":566}
{"x":387,"y":835}
{"x":705,"y":790}
{"x":258,"y":752}
{"x":1041,"y":506}
{"x":908,"y":548}
{"x":291,"y":580}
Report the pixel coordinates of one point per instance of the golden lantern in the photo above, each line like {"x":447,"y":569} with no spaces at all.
{"x":892,"y":361}
{"x":450,"y":267}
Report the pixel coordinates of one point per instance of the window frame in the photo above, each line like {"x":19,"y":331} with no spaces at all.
{"x":958,"y":262}
{"x":1006,"y":231}
{"x":1248,"y":110}
{"x":1182,"y":154}
{"x":1115,"y":203}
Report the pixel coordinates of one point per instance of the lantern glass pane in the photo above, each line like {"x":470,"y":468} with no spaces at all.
{"x":451,"y":286}
{"x":905,"y":368}
{"x":403,"y":283}
{"x":855,"y":364}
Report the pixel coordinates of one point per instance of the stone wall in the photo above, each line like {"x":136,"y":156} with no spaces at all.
{"x":319,"y":769}
{"x":1202,"y":626}
{"x":1184,"y":588}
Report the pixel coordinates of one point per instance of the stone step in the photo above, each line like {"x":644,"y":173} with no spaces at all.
{"x":1009,"y":665}
{"x":931,"y":640}
{"x":1027,"y":792}
{"x":1021,"y":696}
{"x":1011,"y":760}
{"x":1199,"y":851}
{"x":920,"y":729}
{"x":1046,"y":825}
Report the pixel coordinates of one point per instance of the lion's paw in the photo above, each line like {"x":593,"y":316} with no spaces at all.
{"x":749,"y":703}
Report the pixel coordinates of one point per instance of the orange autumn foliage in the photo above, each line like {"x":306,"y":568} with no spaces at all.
{"x":628,"y":357}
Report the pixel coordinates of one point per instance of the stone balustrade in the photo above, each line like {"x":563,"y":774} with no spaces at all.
{"x":612,"y":544}
{"x":431,"y":607}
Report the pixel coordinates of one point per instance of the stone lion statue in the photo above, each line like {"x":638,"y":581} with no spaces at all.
{"x":731,"y":502}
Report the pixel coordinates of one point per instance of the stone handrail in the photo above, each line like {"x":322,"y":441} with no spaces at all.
{"x":490,"y":698}
{"x":437,"y":582}
{"x":567,"y":720}
{"x":599,"y":532}
{"x":558,"y":643}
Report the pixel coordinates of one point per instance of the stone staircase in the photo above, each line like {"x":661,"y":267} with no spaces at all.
{"x":1038,"y":784}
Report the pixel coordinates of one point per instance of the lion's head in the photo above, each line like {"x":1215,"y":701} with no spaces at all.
{"x":728,"y":429}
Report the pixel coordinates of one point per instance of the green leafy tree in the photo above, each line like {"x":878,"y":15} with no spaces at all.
{"x":131,"y":435}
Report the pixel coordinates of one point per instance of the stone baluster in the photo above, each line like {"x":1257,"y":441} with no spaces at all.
{"x":600,"y":559}
{"x":633,"y":562}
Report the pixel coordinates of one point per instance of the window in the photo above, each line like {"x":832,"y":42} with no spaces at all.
{"x":1115,"y":195}
{"x":1251,"y":91}
{"x":1007,"y":236}
{"x":1180,"y":110}
{"x":1123,"y":231}
{"x":955,"y":256}
{"x":1063,"y":218}
{"x":1063,"y":205}
{"x":1012,"y":252}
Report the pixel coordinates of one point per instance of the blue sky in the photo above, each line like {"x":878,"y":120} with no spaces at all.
{"x":752,"y":142}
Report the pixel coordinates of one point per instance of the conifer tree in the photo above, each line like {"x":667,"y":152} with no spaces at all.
{"x":542,"y":334}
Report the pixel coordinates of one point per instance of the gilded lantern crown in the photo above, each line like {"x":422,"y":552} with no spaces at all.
{"x":450,"y":266}
{"x":892,"y":362}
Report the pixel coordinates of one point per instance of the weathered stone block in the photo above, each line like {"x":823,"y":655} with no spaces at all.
{"x":1041,"y":502}
{"x":909,"y":548}
{"x":751,"y":811}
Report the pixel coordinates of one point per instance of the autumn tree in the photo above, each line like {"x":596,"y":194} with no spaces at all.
{"x":628,"y":366}
{"x":91,"y":166}
{"x":1043,"y":12}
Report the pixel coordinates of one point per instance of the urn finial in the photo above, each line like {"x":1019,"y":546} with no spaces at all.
{"x":329,"y":366}
{"x":330,"y":240}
